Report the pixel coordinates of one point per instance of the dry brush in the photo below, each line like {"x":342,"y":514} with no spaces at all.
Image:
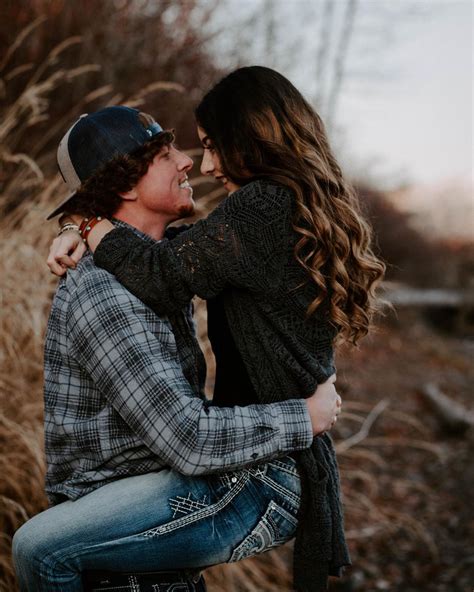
{"x":26,"y":193}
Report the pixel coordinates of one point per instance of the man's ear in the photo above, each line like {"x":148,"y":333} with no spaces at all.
{"x":129,"y":195}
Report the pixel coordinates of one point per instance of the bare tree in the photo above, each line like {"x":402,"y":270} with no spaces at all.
{"x":340,"y":61}
{"x":322,"y":59}
{"x":270,"y":32}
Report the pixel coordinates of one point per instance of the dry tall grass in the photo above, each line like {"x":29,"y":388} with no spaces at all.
{"x":25,"y":197}
{"x":26,"y":294}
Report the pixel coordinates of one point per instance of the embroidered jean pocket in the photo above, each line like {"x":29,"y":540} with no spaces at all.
{"x":276,"y":526}
{"x":188,"y":511}
{"x":286,"y":464}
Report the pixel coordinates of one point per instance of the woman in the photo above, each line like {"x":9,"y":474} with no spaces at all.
{"x":285,"y":264}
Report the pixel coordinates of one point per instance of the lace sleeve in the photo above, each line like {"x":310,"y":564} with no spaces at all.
{"x":240,"y":244}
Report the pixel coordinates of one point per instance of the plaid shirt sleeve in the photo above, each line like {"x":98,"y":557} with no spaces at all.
{"x":131,"y":356}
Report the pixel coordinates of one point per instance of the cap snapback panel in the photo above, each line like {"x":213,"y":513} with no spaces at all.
{"x":95,"y":140}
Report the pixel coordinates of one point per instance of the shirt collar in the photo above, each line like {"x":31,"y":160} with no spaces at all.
{"x":122,"y":224}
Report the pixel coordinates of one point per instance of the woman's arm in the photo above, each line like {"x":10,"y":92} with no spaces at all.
{"x":241,"y":244}
{"x":97,"y":233}
{"x":69,"y":247}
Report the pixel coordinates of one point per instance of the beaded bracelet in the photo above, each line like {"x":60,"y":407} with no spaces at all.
{"x":87,"y":225}
{"x":68,"y":226}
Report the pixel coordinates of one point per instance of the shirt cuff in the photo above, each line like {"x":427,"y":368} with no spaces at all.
{"x":296,"y":429}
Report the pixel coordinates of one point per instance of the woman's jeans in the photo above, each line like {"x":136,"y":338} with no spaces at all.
{"x":159,"y":521}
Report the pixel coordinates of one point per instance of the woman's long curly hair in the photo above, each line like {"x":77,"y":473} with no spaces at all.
{"x":262,"y":128}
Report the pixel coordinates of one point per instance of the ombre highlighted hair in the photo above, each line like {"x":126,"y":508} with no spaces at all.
{"x":262,"y":128}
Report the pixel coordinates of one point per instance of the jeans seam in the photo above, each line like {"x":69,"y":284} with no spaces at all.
{"x":286,"y":515}
{"x":281,"y":490}
{"x":49,"y":562}
{"x":265,"y":523}
{"x":285,"y":468}
{"x":200,"y":514}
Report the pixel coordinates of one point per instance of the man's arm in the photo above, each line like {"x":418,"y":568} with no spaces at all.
{"x":131,"y":356}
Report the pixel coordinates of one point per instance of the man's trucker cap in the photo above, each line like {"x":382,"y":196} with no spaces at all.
{"x":94,"y":140}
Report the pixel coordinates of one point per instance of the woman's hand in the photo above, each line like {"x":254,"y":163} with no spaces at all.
{"x":65,"y":252}
{"x":324,"y":406}
{"x":68,"y":248}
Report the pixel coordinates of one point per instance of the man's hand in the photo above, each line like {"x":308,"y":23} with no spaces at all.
{"x":324,"y":406}
{"x":65,"y":252}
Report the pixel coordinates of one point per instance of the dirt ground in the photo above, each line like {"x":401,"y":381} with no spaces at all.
{"x":426,"y":480}
{"x":407,"y":481}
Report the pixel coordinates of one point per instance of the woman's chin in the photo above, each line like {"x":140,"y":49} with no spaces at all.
{"x":230,"y":187}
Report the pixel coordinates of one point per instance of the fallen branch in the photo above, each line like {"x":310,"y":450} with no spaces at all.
{"x":365,"y":428}
{"x":362,"y":454}
{"x":364,"y":533}
{"x":435,"y":449}
{"x":453,"y":417}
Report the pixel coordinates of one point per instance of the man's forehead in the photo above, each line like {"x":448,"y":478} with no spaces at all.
{"x":166,"y":148}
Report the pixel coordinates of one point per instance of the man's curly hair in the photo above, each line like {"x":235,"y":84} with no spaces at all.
{"x":100,"y":194}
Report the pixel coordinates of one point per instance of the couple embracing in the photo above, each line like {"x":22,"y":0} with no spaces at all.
{"x":144,"y":473}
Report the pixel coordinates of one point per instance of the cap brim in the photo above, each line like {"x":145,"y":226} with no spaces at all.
{"x":61,"y":207}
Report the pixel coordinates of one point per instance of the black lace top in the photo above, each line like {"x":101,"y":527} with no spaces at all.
{"x":244,"y":252}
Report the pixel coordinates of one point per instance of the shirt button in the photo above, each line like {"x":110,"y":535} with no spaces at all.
{"x":254,"y":455}
{"x":233,"y":479}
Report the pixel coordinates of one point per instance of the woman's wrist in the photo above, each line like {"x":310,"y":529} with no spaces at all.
{"x":67,"y":227}
{"x":65,"y":219}
{"x":91,"y":229}
{"x":86,"y":225}
{"x":66,"y":224}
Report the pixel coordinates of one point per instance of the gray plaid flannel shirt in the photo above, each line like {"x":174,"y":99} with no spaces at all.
{"x":121,"y":400}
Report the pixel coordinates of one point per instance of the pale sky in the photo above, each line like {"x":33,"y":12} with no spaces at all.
{"x":424,"y":114}
{"x":405,"y":110}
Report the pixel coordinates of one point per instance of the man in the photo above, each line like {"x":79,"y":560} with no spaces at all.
{"x":129,"y":436}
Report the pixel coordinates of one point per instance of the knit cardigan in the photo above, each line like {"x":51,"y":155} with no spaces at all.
{"x":244,"y":250}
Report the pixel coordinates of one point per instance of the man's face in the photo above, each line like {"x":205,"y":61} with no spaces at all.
{"x":165,"y":189}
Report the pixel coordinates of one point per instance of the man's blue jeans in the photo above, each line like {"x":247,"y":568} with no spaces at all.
{"x":159,"y":521}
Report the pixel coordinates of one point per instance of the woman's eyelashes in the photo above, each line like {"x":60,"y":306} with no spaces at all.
{"x":208,"y":146}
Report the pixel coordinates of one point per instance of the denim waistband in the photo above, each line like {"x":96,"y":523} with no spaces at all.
{"x":286,"y":466}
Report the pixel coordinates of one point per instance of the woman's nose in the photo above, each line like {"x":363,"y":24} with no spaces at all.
{"x":207,"y":164}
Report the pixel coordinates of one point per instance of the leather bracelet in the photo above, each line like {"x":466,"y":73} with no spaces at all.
{"x":87,"y":225}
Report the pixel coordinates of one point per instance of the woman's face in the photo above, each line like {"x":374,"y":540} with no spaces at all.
{"x":211,"y":163}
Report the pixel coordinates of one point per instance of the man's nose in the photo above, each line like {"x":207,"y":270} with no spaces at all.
{"x":185,"y":162}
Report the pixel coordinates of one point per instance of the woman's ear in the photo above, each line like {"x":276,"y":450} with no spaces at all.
{"x":129,"y":195}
